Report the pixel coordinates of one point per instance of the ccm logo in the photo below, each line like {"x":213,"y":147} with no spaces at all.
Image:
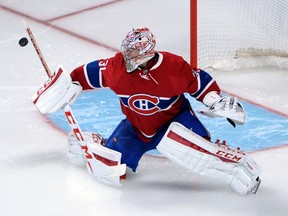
{"x":229,"y":156}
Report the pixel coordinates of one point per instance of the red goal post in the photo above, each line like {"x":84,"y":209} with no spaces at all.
{"x":233,"y":34}
{"x":193,"y":33}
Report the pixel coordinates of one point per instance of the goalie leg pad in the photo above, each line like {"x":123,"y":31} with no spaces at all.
{"x":216,"y":161}
{"x":102,"y":163}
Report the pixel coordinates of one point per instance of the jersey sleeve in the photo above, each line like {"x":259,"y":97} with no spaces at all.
{"x":194,"y":81}
{"x":89,"y":75}
{"x":185,"y":79}
{"x":205,"y":84}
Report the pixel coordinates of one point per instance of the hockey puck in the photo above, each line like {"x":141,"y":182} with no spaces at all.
{"x":23,"y":41}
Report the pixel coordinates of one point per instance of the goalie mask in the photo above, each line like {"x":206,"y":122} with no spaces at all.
{"x":138,"y":48}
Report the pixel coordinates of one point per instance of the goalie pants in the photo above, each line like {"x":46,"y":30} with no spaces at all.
{"x":124,"y":139}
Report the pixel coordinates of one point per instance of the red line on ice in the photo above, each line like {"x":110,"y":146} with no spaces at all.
{"x":83,"y":10}
{"x":259,"y":105}
{"x":66,"y":31}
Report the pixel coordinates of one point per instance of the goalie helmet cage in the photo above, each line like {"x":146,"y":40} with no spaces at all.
{"x":234,"y":34}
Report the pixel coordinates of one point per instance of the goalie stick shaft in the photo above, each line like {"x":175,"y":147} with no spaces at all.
{"x":67,"y":109}
{"x":37,"y":49}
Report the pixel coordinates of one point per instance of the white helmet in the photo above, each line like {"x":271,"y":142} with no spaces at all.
{"x":138,"y":48}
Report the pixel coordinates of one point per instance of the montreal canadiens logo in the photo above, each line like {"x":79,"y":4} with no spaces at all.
{"x":144,"y":104}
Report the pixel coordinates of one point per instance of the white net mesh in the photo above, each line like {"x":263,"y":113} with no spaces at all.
{"x":242,"y":33}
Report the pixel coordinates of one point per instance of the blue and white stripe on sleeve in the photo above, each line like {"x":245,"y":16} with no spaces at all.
{"x":93,"y":74}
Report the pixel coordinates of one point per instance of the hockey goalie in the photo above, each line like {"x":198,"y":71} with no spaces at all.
{"x":150,"y":85}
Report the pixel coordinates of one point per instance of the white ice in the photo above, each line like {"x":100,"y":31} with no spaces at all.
{"x":35,"y":177}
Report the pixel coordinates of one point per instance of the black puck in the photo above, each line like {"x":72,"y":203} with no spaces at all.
{"x":23,"y":41}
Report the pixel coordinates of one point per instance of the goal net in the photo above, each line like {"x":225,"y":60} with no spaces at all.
{"x":233,"y":34}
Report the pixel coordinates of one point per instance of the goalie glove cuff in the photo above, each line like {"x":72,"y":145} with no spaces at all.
{"x":211,"y":98}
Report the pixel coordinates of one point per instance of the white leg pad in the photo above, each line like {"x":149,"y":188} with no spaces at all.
{"x":216,"y":161}
{"x":103,"y":163}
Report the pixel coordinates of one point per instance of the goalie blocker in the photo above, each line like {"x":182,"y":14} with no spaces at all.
{"x":58,"y":91}
{"x":213,"y":160}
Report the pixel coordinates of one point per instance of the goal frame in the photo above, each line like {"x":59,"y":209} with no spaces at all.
{"x":193,"y":34}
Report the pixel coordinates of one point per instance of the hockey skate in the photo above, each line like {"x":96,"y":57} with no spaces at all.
{"x":255,"y":186}
{"x":255,"y":183}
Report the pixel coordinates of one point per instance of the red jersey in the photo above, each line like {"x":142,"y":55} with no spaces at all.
{"x":151,"y":97}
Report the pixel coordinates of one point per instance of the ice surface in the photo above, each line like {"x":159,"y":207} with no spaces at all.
{"x":36,"y":179}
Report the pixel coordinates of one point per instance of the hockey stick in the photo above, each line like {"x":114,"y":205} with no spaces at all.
{"x":75,"y":127}
{"x":37,"y":49}
{"x":67,"y":109}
